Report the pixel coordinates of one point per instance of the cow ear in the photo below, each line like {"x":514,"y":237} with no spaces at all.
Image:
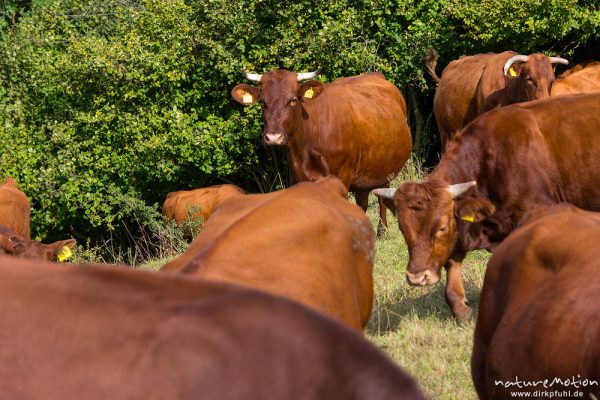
{"x":473,"y":210}
{"x":387,"y":195}
{"x":6,"y":245}
{"x":245,"y":94}
{"x":514,"y":70}
{"x":310,"y":90}
{"x":62,"y":249}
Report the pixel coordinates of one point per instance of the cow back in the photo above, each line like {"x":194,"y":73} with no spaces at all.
{"x":308,"y":243}
{"x":14,"y":209}
{"x":538,"y":317}
{"x":99,"y":332}
{"x":579,"y":79}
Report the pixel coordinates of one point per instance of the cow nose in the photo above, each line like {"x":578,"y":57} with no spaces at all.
{"x":274,"y":138}
{"x":421,"y":278}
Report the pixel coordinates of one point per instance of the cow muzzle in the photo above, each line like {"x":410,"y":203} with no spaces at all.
{"x":422,"y":278}
{"x":275,"y":139}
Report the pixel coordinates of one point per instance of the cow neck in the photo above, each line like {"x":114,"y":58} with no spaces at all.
{"x":461,"y":162}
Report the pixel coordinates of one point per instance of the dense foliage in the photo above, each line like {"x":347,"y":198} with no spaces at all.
{"x":107,"y":105}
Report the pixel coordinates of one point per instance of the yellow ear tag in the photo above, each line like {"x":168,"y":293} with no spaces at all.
{"x":512,"y":71}
{"x":468,"y":218}
{"x":247,"y":98}
{"x":309,"y":93}
{"x":63,"y":254}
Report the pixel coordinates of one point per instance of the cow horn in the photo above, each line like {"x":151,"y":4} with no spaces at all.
{"x":388,"y":193}
{"x":302,"y":76}
{"x":252,"y":77}
{"x":460,"y":188}
{"x":514,"y":59}
{"x":559,"y":60}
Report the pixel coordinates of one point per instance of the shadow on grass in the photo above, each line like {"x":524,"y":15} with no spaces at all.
{"x":387,"y":315}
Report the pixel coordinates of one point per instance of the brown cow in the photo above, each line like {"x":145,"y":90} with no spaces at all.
{"x":539,"y":316}
{"x":475,"y":84}
{"x":579,"y":79}
{"x":183,"y":205}
{"x":18,"y":246}
{"x":14,"y":209}
{"x":353,"y":128}
{"x":308,"y":243}
{"x":522,"y":156}
{"x":92,"y":332}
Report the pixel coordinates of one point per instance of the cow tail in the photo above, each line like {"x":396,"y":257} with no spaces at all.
{"x":431,"y":57}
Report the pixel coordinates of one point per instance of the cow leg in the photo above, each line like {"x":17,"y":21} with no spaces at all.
{"x":382,"y":226}
{"x":455,"y":292}
{"x":362,"y":199}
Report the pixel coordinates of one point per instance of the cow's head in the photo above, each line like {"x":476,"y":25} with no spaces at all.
{"x":20,"y":247}
{"x":530,"y":77}
{"x":428,"y":214}
{"x":280,"y":95}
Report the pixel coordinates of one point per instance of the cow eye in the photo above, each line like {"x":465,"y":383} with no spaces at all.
{"x":442,"y":231}
{"x":293,"y":102}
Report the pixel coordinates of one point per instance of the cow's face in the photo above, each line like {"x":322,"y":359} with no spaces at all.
{"x":428,"y":214}
{"x":23,"y":248}
{"x":530,"y":77}
{"x":281,"y":96}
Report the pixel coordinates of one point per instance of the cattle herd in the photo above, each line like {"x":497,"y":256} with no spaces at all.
{"x":270,"y":299}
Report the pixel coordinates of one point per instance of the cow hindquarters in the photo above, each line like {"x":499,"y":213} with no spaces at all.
{"x":455,"y":292}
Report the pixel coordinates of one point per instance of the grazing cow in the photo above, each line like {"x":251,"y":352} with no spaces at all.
{"x":92,"y":332}
{"x":308,"y":243}
{"x":353,"y":128}
{"x":579,"y":79}
{"x":14,"y":209}
{"x":183,"y":205}
{"x":18,"y":246}
{"x":514,"y":158}
{"x":475,"y":84}
{"x":539,"y":316}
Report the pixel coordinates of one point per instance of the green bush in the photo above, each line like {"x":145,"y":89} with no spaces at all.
{"x":107,"y":105}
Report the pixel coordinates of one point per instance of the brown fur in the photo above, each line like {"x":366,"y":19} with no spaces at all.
{"x":353,"y":128}
{"x":579,"y":79}
{"x":307,"y":243}
{"x":524,"y":156}
{"x":177,"y":205}
{"x":475,"y":84}
{"x":14,"y":209}
{"x":539,"y":317}
{"x":93,"y":332}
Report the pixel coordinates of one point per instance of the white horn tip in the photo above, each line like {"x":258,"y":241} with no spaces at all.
{"x":385,"y":192}
{"x":460,"y":188}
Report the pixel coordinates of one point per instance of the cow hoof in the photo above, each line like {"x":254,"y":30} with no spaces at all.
{"x":381,"y":230}
{"x":463,"y":317}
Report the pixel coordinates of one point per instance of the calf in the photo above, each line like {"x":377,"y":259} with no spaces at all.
{"x":308,"y":243}
{"x":93,"y":332}
{"x":539,"y":318}
{"x":14,"y":209}
{"x":503,"y":164}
